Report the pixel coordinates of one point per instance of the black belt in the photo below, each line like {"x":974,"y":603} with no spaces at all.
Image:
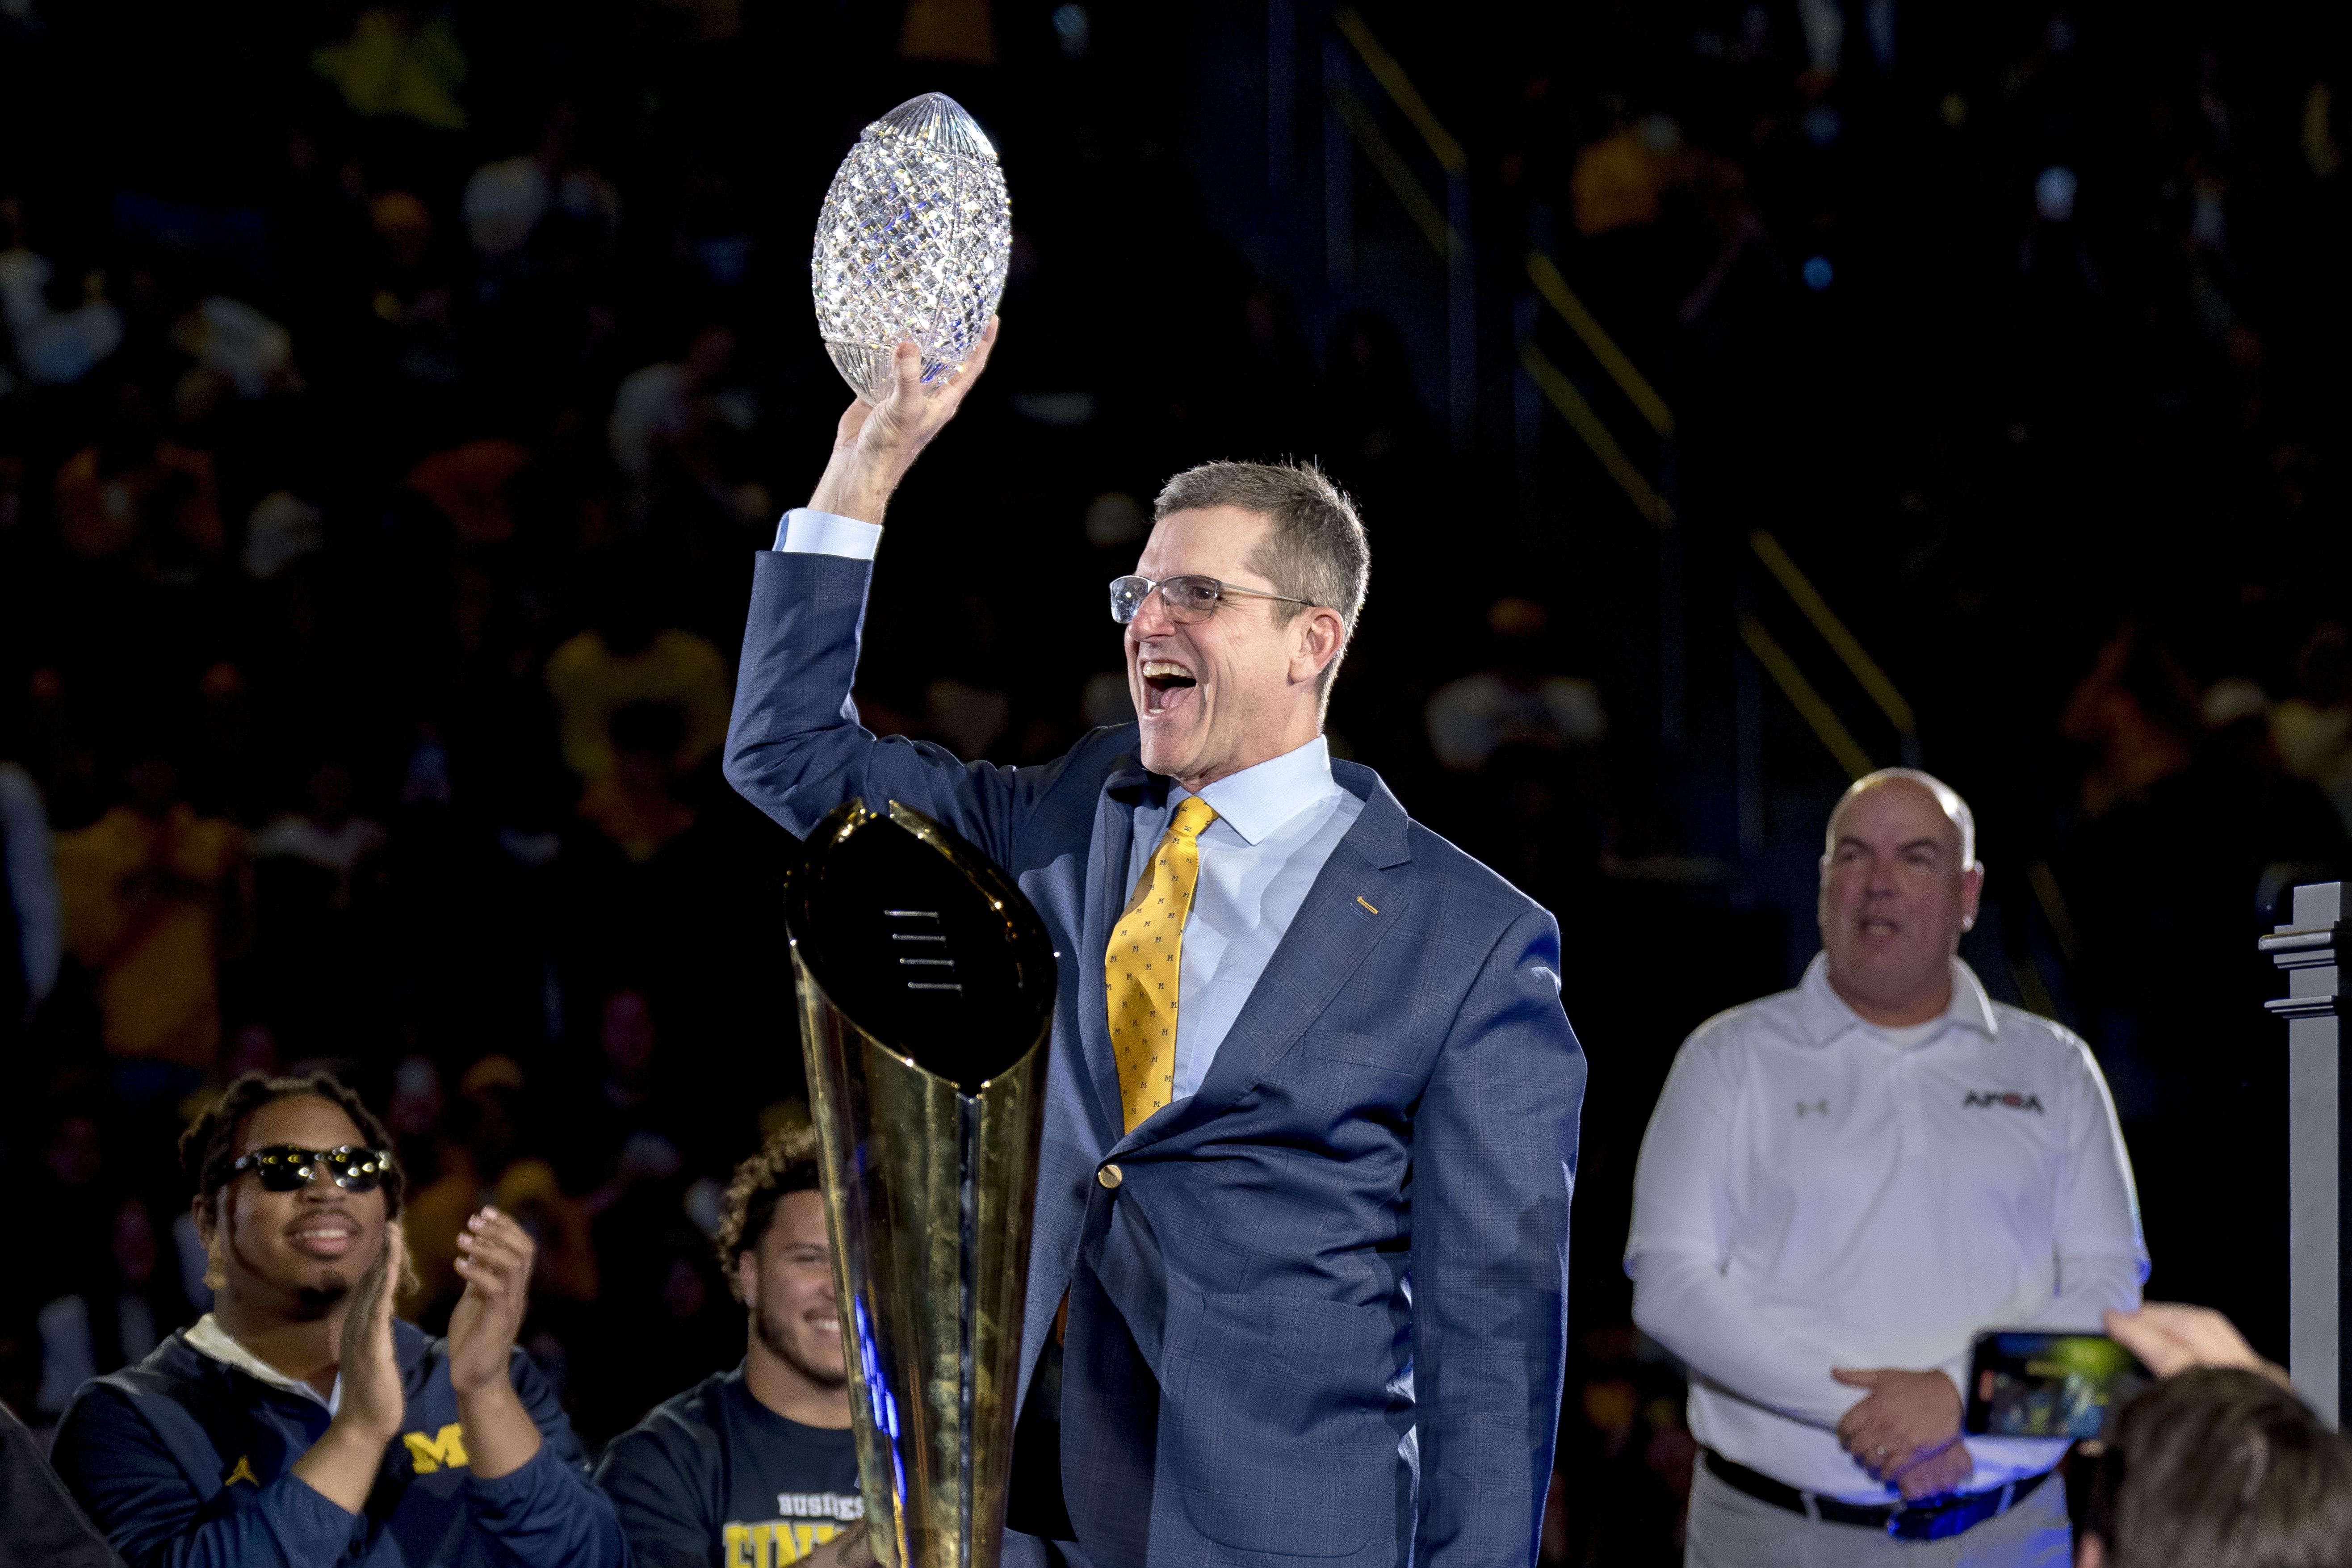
{"x":1934,"y":1521}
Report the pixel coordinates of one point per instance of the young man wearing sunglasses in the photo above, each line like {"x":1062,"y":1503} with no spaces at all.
{"x":298,"y":1423}
{"x":1296,"y":1282}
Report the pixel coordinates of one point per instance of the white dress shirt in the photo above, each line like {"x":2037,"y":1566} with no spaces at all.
{"x":1276,"y":824}
{"x":1817,"y":1191}
{"x":806,"y":533}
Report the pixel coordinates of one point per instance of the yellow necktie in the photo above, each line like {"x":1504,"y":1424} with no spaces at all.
{"x":1144,"y":962}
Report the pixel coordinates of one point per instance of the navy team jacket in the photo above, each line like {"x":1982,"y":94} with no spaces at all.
{"x":183,"y":1463}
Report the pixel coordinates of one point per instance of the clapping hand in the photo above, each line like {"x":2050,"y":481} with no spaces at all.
{"x":373,"y":1399}
{"x":495,"y":1261}
{"x":496,"y":1258}
{"x":342,"y":1465}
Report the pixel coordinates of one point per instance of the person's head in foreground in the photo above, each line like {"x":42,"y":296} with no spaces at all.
{"x":2218,"y":1468}
{"x":296,"y":1191}
{"x":1238,"y":614}
{"x":1899,"y":884}
{"x":774,"y":1250}
{"x":2220,"y":1465}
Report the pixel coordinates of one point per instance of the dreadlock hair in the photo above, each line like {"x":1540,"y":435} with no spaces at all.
{"x":208,"y":1148}
{"x":785,"y":1164}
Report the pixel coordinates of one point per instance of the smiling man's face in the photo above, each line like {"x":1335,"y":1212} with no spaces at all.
{"x":1894,"y":898}
{"x":1231,"y":690}
{"x":298,"y":1252}
{"x":787,"y":1283}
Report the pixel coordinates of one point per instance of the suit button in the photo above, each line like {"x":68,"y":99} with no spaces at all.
{"x":1109,"y":1176}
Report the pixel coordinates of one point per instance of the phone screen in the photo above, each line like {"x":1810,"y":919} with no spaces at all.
{"x":2027,"y":1384}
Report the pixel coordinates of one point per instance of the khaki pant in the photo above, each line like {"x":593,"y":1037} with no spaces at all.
{"x":1729,"y":1528}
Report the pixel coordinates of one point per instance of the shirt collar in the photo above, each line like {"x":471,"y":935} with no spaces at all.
{"x":213,"y":1340}
{"x":1825,"y":1014}
{"x":1259,"y":799}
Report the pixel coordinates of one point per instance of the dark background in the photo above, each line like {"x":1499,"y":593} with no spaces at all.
{"x":389,"y":397}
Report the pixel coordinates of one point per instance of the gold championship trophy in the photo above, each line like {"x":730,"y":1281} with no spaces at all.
{"x":927,"y":988}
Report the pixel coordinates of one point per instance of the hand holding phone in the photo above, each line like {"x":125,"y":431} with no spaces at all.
{"x":2169,"y":1337}
{"x":2027,"y":1384}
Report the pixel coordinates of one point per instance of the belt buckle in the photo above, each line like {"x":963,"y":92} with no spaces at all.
{"x":1942,"y":1519}
{"x":1928,"y":1524}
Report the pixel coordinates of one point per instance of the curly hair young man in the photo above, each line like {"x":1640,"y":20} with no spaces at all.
{"x":756,"y":1464}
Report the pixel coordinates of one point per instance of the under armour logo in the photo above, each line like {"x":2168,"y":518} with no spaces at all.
{"x":1812,"y":1107}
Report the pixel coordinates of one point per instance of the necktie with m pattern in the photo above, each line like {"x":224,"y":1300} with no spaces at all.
{"x":1143,"y":965}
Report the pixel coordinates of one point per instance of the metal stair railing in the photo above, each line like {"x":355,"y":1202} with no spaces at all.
{"x":1809,"y":703}
{"x":1553,"y":285}
{"x":1448,"y":228}
{"x":1866,"y":669}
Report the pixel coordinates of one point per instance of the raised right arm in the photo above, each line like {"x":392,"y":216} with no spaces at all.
{"x":794,"y":747}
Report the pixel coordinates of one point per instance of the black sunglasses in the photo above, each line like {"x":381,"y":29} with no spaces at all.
{"x":283,"y":1168}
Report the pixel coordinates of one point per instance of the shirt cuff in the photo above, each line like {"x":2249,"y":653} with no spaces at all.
{"x":806,"y":533}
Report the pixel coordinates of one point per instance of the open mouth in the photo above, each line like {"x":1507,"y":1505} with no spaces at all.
{"x":1164,"y":683}
{"x":324,"y":1240}
{"x":825,"y":1322}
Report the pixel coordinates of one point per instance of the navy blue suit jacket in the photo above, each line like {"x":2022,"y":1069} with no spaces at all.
{"x":186,"y":1463}
{"x":1323,"y":1314}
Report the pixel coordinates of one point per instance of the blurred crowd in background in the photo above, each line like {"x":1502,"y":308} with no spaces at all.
{"x":391,"y":397}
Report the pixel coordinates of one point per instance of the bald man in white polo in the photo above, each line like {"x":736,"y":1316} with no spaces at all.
{"x":1845,"y":1183}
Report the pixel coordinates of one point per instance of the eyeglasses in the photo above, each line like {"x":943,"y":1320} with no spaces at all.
{"x":283,"y":1168}
{"x":1187,"y":598}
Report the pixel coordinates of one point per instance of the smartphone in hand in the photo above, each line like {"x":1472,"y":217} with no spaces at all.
{"x":2024,"y":1383}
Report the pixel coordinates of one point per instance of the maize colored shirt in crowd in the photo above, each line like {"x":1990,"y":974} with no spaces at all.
{"x":527,"y":1189}
{"x":142,"y":902}
{"x":590,"y":682}
{"x":184,"y":1461}
{"x":713,"y":1479}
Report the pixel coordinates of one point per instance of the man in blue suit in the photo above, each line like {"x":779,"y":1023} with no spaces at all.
{"x":1299,"y":1282}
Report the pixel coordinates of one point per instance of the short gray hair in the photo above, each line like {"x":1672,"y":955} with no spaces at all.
{"x":1315,"y":550}
{"x":1963,"y":819}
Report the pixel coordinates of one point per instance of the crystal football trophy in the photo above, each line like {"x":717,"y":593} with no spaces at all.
{"x":912,"y":243}
{"x":927,"y":988}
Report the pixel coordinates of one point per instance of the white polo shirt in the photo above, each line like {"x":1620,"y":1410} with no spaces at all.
{"x":1815,"y":1192}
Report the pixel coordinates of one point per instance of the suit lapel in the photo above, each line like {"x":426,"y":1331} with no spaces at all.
{"x":1356,"y":897}
{"x":1114,"y":840}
